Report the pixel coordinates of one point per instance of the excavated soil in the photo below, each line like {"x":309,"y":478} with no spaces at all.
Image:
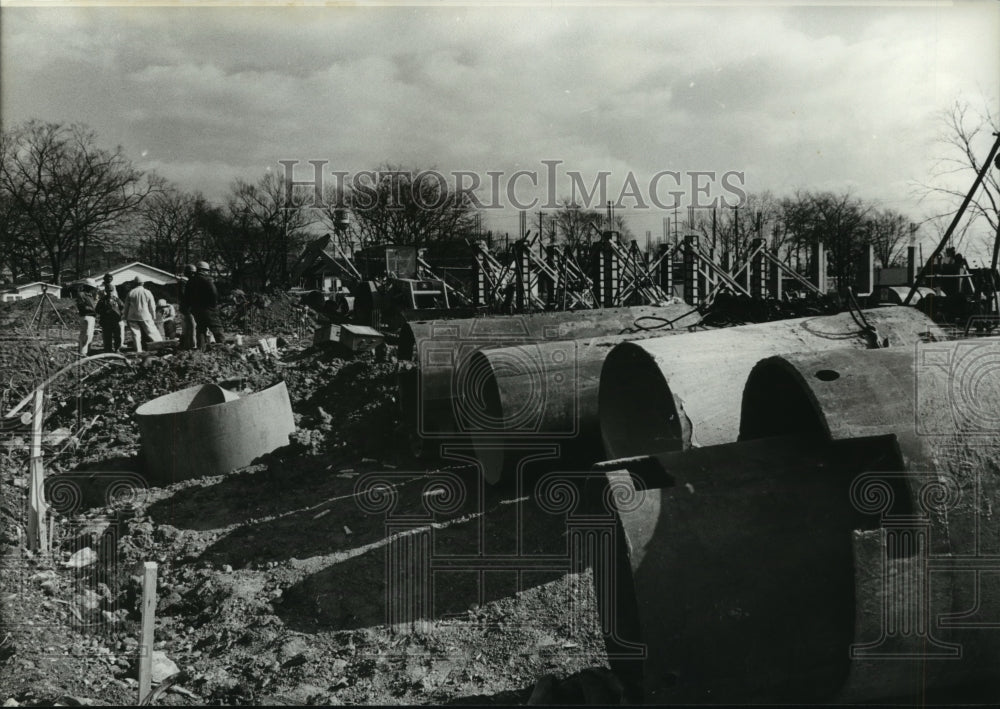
{"x":274,"y":581}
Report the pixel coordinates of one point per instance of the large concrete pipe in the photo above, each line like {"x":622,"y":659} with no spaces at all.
{"x":846,"y":549}
{"x":661,"y":394}
{"x":532,"y":327}
{"x":512,"y":397}
{"x":427,"y":392}
{"x":543,"y":392}
{"x":208,"y":430}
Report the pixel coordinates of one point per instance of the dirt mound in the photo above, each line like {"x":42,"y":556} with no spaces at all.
{"x":272,"y":579}
{"x":26,"y":363}
{"x":278,"y":314}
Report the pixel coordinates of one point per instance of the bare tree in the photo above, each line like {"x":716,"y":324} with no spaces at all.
{"x":965,"y":141}
{"x":168,"y":228}
{"x":261,"y":228}
{"x":729,"y":232}
{"x":18,"y":252}
{"x":888,"y":233}
{"x":575,"y":226}
{"x":408,"y":208}
{"x":68,"y":191}
{"x":840,"y":221}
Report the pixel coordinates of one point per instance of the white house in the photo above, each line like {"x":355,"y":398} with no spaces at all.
{"x":149,"y":274}
{"x":28,"y":290}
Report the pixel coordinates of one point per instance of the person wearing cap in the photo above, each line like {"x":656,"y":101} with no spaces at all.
{"x":109,"y":314}
{"x":203,"y":299}
{"x":86,"y":305}
{"x":165,"y":319}
{"x":187,"y":317}
{"x":140,"y":314}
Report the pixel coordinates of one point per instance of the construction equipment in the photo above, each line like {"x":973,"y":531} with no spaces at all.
{"x":393,"y":288}
{"x":379,"y":286}
{"x":38,"y":316}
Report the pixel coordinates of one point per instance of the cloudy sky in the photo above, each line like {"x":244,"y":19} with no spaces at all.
{"x":794,"y":96}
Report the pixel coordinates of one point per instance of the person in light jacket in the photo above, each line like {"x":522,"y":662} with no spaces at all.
{"x":165,"y":319}
{"x":86,"y":305}
{"x":140,"y":314}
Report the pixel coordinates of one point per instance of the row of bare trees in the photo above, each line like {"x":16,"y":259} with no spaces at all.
{"x":845,"y":224}
{"x":61,"y":196}
{"x":65,"y":201}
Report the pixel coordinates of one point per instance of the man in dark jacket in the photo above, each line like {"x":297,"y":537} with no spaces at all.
{"x":187,"y":317}
{"x":109,"y":314}
{"x":203,"y":300}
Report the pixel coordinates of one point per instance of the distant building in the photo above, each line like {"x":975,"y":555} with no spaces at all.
{"x":892,"y":276}
{"x":317,"y":269}
{"x":28,"y":290}
{"x":149,"y":274}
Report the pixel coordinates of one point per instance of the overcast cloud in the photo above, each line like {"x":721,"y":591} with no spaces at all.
{"x":796,"y":97}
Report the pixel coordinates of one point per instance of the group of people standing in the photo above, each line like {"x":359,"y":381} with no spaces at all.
{"x":147,"y":319}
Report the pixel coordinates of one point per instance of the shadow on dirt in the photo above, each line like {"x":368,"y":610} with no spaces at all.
{"x":269,"y":488}
{"x":508,"y":698}
{"x":414,"y":564}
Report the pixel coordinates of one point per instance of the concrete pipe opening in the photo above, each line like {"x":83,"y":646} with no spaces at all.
{"x":406,"y":347}
{"x":483,"y":412}
{"x":738,"y":580}
{"x":639,"y":414}
{"x":777,"y":402}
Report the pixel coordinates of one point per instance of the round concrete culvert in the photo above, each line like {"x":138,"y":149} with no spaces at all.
{"x":481,"y":411}
{"x":737,"y":582}
{"x":208,"y":430}
{"x":662,"y":394}
{"x":639,"y":415}
{"x":439,"y":347}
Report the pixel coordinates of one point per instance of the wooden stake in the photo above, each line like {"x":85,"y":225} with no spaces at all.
{"x":146,"y":641}
{"x":37,"y":536}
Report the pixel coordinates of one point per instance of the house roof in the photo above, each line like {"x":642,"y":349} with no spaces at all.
{"x":140,"y":264}
{"x":22,"y":286}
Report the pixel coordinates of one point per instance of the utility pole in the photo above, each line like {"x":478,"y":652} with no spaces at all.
{"x":996,"y":249}
{"x":714,"y":244}
{"x":736,"y":235}
{"x":541,"y":235}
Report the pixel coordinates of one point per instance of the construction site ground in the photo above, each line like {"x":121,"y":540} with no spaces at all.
{"x":272,"y":579}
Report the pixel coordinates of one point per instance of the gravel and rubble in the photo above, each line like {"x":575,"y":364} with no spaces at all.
{"x":272,"y":578}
